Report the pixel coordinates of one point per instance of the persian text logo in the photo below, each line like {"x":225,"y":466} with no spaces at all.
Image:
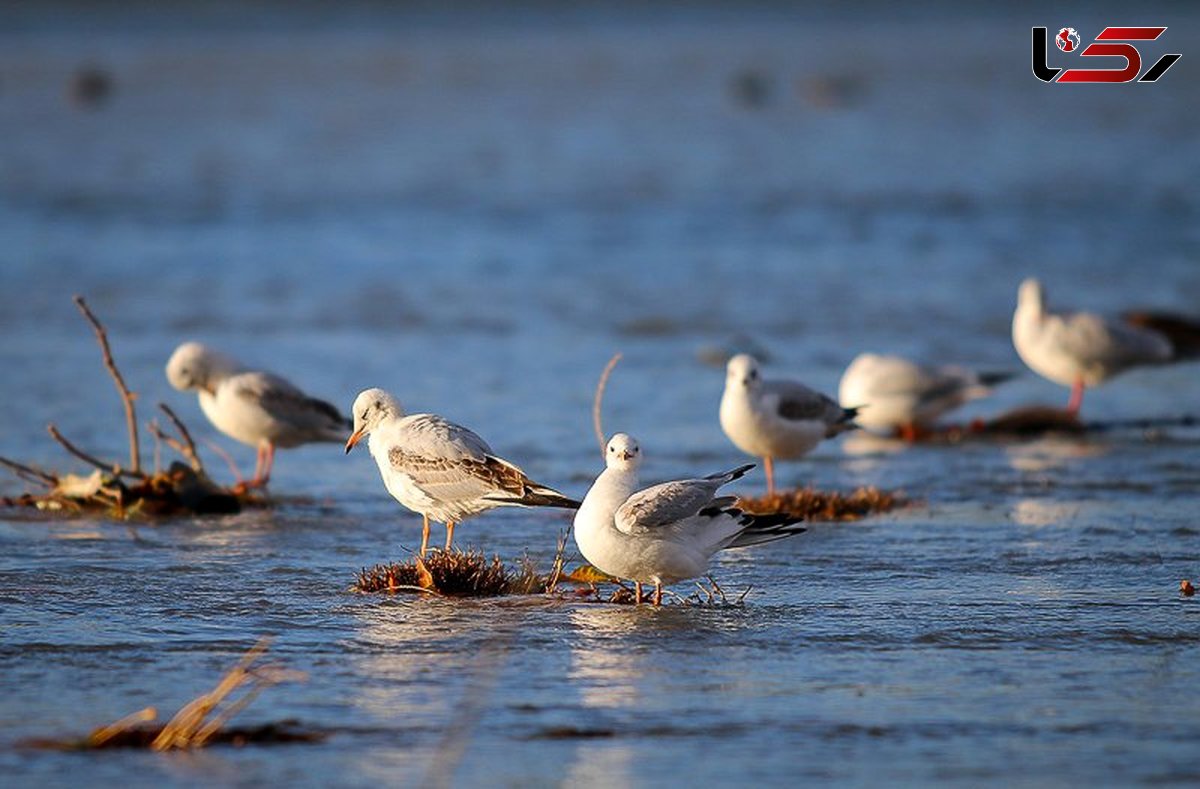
{"x":1068,"y":41}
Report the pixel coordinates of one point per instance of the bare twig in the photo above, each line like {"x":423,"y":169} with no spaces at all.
{"x":556,"y":570}
{"x":111,"y":468}
{"x":105,"y":733}
{"x":161,"y":437}
{"x":181,"y":731}
{"x":29,"y":473}
{"x":189,"y":446}
{"x":215,"y":447}
{"x":599,"y":399}
{"x":127,"y":397}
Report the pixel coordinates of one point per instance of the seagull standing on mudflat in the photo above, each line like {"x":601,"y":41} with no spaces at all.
{"x":668,"y":532}
{"x":776,"y":420}
{"x":256,"y":408}
{"x":441,"y":470}
{"x":901,"y":395}
{"x":1080,"y":349}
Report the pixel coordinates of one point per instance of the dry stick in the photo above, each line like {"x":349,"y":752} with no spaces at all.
{"x":111,"y":468}
{"x":261,"y":679}
{"x":600,"y":386}
{"x":161,"y":437}
{"x":215,"y":447}
{"x":181,"y":729}
{"x":189,"y":446}
{"x":127,"y":397}
{"x":29,"y":473}
{"x":105,"y":733}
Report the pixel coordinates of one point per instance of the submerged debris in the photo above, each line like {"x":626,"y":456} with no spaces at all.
{"x":124,"y":491}
{"x":202,"y":721}
{"x":1033,"y":421}
{"x":819,"y":505}
{"x":466,"y":573}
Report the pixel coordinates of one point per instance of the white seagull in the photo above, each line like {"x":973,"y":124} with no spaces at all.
{"x":253,"y":407}
{"x":668,"y":532}
{"x":897,"y":394}
{"x":1080,"y":349}
{"x":439,"y":469}
{"x":776,"y":420}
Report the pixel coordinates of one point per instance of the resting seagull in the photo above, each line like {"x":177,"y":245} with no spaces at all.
{"x":897,"y":394}
{"x":1080,"y":349}
{"x":253,"y":407}
{"x":668,"y":532}
{"x":776,"y":420}
{"x":441,"y":470}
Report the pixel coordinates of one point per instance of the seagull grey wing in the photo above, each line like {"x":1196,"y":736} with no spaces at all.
{"x":286,"y":403}
{"x":662,"y":505}
{"x":1095,"y":340}
{"x":796,"y":402}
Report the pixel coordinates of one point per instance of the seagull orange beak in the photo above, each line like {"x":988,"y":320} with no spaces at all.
{"x":355,"y":437}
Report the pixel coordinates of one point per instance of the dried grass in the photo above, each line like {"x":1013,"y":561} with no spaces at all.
{"x":820,"y":505}
{"x":202,"y":721}
{"x":462,"y":573}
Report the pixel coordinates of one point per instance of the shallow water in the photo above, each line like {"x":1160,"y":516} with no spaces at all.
{"x":475,"y":212}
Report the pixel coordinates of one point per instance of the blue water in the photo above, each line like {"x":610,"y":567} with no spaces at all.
{"x":475,"y":210}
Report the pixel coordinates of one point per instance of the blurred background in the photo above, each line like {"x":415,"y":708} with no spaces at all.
{"x":476,"y":206}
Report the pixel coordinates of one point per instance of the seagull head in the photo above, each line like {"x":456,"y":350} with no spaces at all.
{"x":198,"y":367}
{"x":370,"y":409}
{"x":742,"y":372}
{"x":1031,"y":294}
{"x":622,"y":452}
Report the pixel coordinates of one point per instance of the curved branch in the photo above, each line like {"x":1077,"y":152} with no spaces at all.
{"x":599,"y":399}
{"x":127,"y":397}
{"x":188,"y":450}
{"x":29,"y":473}
{"x":111,"y":468}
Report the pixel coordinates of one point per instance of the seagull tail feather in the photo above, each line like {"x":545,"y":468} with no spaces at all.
{"x":732,"y":474}
{"x":768,"y":527}
{"x":535,"y":495}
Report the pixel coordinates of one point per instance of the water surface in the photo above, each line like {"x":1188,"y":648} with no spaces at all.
{"x":475,"y":211}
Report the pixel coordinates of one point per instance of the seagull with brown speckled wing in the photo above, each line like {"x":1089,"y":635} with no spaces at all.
{"x":441,"y":470}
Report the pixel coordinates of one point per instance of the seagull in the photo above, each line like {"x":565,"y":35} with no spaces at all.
{"x":899,"y":394}
{"x":1080,"y":349}
{"x":256,"y":408}
{"x":776,"y":420}
{"x":441,"y":470}
{"x":668,"y":532}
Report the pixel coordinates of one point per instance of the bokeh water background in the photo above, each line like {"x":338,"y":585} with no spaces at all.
{"x":475,"y":209}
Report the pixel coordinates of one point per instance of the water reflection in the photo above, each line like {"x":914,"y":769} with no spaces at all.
{"x":863,"y":443}
{"x":1053,"y":452}
{"x":603,"y":667}
{"x":1044,"y":512}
